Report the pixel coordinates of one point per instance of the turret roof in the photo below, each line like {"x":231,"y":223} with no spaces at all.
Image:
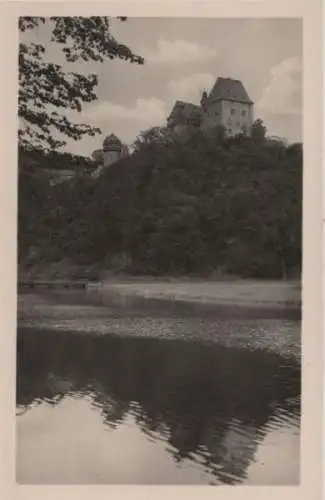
{"x":229,"y":90}
{"x":111,"y":139}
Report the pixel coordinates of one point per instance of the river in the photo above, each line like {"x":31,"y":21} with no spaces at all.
{"x":113,"y":393}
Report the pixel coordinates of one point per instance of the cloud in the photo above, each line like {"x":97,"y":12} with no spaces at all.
{"x":284,"y":125}
{"x":143,"y":110}
{"x":127,"y":121}
{"x":191,"y":87}
{"x":283,"y":95}
{"x":180,"y":51}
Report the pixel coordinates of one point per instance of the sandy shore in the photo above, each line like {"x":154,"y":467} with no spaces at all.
{"x":239,"y":293}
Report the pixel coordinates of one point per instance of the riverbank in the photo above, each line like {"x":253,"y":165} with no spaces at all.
{"x":215,"y":289}
{"x":236,"y":298}
{"x":236,"y":293}
{"x":227,"y":315}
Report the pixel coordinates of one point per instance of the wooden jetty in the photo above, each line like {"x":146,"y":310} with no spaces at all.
{"x":53,"y":284}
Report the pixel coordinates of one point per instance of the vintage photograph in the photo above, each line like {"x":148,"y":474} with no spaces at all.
{"x":160,"y":169}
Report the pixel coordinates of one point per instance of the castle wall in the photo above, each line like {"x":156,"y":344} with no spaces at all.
{"x":110,"y":157}
{"x":212,"y":115}
{"x":235,"y":116}
{"x":180,"y":130}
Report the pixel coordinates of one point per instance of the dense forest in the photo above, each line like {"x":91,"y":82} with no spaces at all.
{"x":198,"y":206}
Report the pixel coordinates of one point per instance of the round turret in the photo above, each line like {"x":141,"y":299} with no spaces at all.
{"x":112,"y":143}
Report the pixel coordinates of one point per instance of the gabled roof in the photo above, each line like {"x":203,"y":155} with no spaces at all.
{"x":185,"y":110}
{"x":228,"y":89}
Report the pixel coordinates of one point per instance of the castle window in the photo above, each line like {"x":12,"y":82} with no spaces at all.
{"x":243,"y":113}
{"x":232,"y":111}
{"x":229,"y":131}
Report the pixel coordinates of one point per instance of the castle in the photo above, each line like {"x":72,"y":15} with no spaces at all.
{"x":227,"y":105}
{"x":112,"y":151}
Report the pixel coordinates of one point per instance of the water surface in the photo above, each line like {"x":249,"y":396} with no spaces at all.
{"x":132,"y":409}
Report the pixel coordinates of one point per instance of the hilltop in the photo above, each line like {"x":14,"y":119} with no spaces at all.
{"x":196,"y":207}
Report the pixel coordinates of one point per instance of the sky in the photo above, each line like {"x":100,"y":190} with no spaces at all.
{"x":183,"y":57}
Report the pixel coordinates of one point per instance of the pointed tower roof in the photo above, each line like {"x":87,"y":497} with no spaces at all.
{"x":227,"y":89}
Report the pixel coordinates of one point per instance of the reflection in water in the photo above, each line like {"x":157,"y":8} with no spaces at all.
{"x":210,"y":407}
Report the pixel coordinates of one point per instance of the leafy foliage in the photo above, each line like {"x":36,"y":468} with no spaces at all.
{"x":153,"y":137}
{"x":46,"y":88}
{"x":174,"y":207}
{"x":258,"y":131}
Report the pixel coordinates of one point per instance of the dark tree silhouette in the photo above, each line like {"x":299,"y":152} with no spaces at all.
{"x":46,"y":90}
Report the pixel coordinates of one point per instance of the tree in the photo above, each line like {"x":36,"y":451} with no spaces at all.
{"x":258,"y":131}
{"x":153,"y":136}
{"x":217,"y":134}
{"x":45,"y":88}
{"x":199,"y":206}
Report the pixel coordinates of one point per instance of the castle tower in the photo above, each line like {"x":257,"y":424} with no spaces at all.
{"x":112,"y":150}
{"x":228,"y":105}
